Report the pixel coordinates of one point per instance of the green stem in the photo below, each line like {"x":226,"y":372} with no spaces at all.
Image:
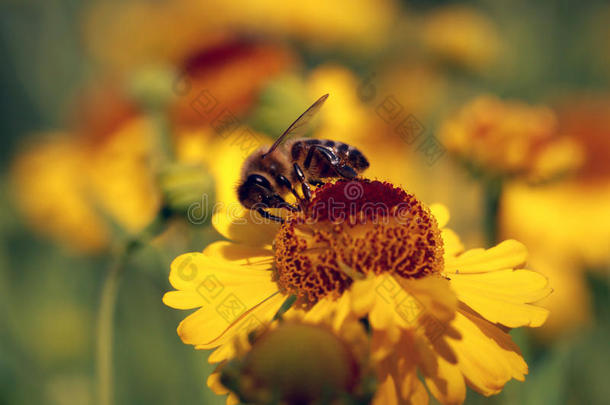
{"x":164,"y":145}
{"x":492,"y":193}
{"x":105,"y":316}
{"x":105,"y":329}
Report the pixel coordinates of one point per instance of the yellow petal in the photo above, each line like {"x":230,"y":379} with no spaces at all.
{"x":446,"y":383}
{"x":382,"y":316}
{"x":244,"y":226}
{"x":232,"y":399}
{"x":441,"y":213}
{"x":183,"y":299}
{"x":406,"y":368}
{"x":214,"y":384}
{"x":488,"y":357}
{"x":342,"y":311}
{"x":230,"y":292}
{"x":385,"y":313}
{"x":509,"y":254}
{"x":511,"y":315}
{"x":452,"y":245}
{"x":209,"y":327}
{"x":224,"y":352}
{"x":433,"y":295}
{"x":419,"y":395}
{"x":426,"y":304}
{"x":240,"y":254}
{"x":381,"y":345}
{"x":503,"y":296}
{"x":521,"y":286}
{"x":387,"y":389}
{"x":362,"y":294}
{"x":212,"y":276}
{"x":386,"y":392}
{"x":328,"y":310}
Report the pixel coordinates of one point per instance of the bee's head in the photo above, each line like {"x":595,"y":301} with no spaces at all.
{"x":258,"y":192}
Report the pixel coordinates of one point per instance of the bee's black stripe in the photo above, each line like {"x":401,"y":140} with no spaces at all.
{"x":343,"y":148}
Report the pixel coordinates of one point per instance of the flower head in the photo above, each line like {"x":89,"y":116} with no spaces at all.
{"x":539,"y":216}
{"x":63,"y":182}
{"x":369,"y":250}
{"x":510,"y":139}
{"x":352,"y":229}
{"x":330,"y":363}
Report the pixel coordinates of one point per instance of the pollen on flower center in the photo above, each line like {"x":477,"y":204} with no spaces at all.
{"x":351,"y":229}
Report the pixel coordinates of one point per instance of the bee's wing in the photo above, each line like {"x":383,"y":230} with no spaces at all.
{"x":299,"y":124}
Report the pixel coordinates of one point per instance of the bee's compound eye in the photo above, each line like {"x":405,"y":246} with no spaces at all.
{"x":260,"y":180}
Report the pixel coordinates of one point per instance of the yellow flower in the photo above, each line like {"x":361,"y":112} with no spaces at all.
{"x":74,"y":190}
{"x":566,"y":224}
{"x":506,"y":138}
{"x":105,"y":169}
{"x":461,"y":35}
{"x":431,"y":306}
{"x":543,"y":215}
{"x":48,"y":190}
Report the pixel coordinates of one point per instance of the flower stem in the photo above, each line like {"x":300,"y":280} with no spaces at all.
{"x":105,"y":328}
{"x":492,"y":193}
{"x":105,"y":316}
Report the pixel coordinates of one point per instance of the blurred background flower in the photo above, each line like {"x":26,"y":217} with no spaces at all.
{"x":578,"y":203}
{"x":118,"y":113}
{"x":507,"y":139}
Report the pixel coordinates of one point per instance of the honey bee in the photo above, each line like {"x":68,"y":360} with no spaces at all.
{"x":270,"y":174}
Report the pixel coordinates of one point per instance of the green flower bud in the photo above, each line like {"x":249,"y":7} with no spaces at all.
{"x":295,"y":364}
{"x":188,"y":188}
{"x":152,"y":87}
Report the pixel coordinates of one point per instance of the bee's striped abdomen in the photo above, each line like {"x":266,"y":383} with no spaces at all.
{"x":313,"y":158}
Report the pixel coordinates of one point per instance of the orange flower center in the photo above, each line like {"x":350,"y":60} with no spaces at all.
{"x":351,"y":229}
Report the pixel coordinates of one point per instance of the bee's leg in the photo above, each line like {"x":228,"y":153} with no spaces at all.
{"x":346,"y":171}
{"x":333,"y":160}
{"x":289,"y":207}
{"x":304,"y":185}
{"x":316,"y":183}
{"x":270,"y":216}
{"x":325,"y":151}
{"x":283,"y":181}
{"x":276,"y":201}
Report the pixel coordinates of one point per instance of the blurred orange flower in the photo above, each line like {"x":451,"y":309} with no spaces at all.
{"x":227,"y":76}
{"x":48,"y":188}
{"x":114,"y":156}
{"x":580,"y":203}
{"x":509,"y":138}
{"x":567,"y":224}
